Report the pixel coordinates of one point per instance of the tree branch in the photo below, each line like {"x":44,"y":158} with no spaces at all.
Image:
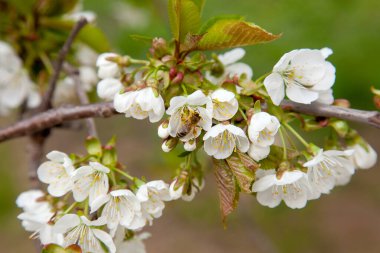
{"x":46,"y":103}
{"x":60,"y":115}
{"x":54,"y":117}
{"x":371,"y":118}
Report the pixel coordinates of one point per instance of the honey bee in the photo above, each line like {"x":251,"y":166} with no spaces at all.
{"x":189,"y":119}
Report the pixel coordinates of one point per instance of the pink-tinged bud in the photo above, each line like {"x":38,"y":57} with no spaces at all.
{"x":342,"y":103}
{"x":172,"y":73}
{"x":178,"y":79}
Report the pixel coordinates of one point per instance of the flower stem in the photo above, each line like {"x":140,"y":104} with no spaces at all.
{"x":285,"y":156}
{"x":125,"y":174}
{"x":86,"y":205}
{"x":294,"y":132}
{"x":71,"y":207}
{"x":243,"y":114}
{"x":261,"y":78}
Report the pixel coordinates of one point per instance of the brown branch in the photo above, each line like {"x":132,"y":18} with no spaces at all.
{"x":60,"y":115}
{"x":54,"y":117}
{"x":58,"y":64}
{"x":371,"y":118}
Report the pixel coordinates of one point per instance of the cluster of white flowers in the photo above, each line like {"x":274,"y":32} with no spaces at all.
{"x":16,"y":87}
{"x":207,"y":117}
{"x":325,"y":170}
{"x":118,"y":210}
{"x":305,"y":75}
{"x":66,"y":91}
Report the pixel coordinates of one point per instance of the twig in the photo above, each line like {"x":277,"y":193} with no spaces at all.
{"x":58,"y":64}
{"x":367,"y":117}
{"x":74,"y":73}
{"x":60,"y":115}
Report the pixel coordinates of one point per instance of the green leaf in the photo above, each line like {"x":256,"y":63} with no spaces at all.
{"x":244,"y":175}
{"x":227,"y":32}
{"x":227,"y":188}
{"x":53,"y":248}
{"x":23,"y":6}
{"x":93,"y":37}
{"x":55,"y":7}
{"x":185,"y":17}
{"x":142,"y":38}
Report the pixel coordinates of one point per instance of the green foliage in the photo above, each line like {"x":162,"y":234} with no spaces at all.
{"x":55,"y":7}
{"x":94,"y":37}
{"x":228,"y":32}
{"x":23,"y":6}
{"x":53,"y":248}
{"x":185,"y":17}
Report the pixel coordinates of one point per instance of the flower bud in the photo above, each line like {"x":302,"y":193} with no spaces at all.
{"x":342,"y":103}
{"x":190,"y":145}
{"x":107,"y":64}
{"x":163,"y":130}
{"x":169,"y":144}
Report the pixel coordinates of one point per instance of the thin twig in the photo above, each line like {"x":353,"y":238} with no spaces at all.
{"x":58,"y":64}
{"x":60,"y":115}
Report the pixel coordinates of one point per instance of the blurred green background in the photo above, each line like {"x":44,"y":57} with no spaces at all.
{"x":346,"y":221}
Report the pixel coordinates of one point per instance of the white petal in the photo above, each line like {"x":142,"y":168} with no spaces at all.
{"x":274,"y":85}
{"x":123,"y":102}
{"x":326,"y":52}
{"x":301,"y":95}
{"x":258,"y":153}
{"x":108,"y":88}
{"x":197,"y":98}
{"x":231,"y":56}
{"x":66,"y":223}
{"x":99,"y":202}
{"x":269,"y":199}
{"x":239,"y":69}
{"x":106,"y":239}
{"x":264,"y":183}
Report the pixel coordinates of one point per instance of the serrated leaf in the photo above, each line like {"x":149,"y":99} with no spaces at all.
{"x":185,"y":17}
{"x":244,"y":175}
{"x":191,"y":42}
{"x":227,"y":188}
{"x":248,"y":161}
{"x":222,"y":33}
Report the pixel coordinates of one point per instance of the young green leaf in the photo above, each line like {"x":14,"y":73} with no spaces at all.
{"x":227,"y":188}
{"x":185,"y":17}
{"x":93,"y":37}
{"x":227,"y":32}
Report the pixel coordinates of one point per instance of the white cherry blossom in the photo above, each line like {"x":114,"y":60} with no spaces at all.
{"x":57,"y":173}
{"x":364,"y":157}
{"x":327,"y":169}
{"x":140,"y":104}
{"x":36,"y":215}
{"x":223,"y":104}
{"x":262,"y":130}
{"x":108,"y":88}
{"x":304,"y":74}
{"x":190,"y":145}
{"x":222,"y":139}
{"x":107,"y":68}
{"x":290,"y":186}
{"x":231,"y":67}
{"x":152,"y":196}
{"x":120,"y":207}
{"x":188,"y":116}
{"x":90,"y":181}
{"x":83,"y":232}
